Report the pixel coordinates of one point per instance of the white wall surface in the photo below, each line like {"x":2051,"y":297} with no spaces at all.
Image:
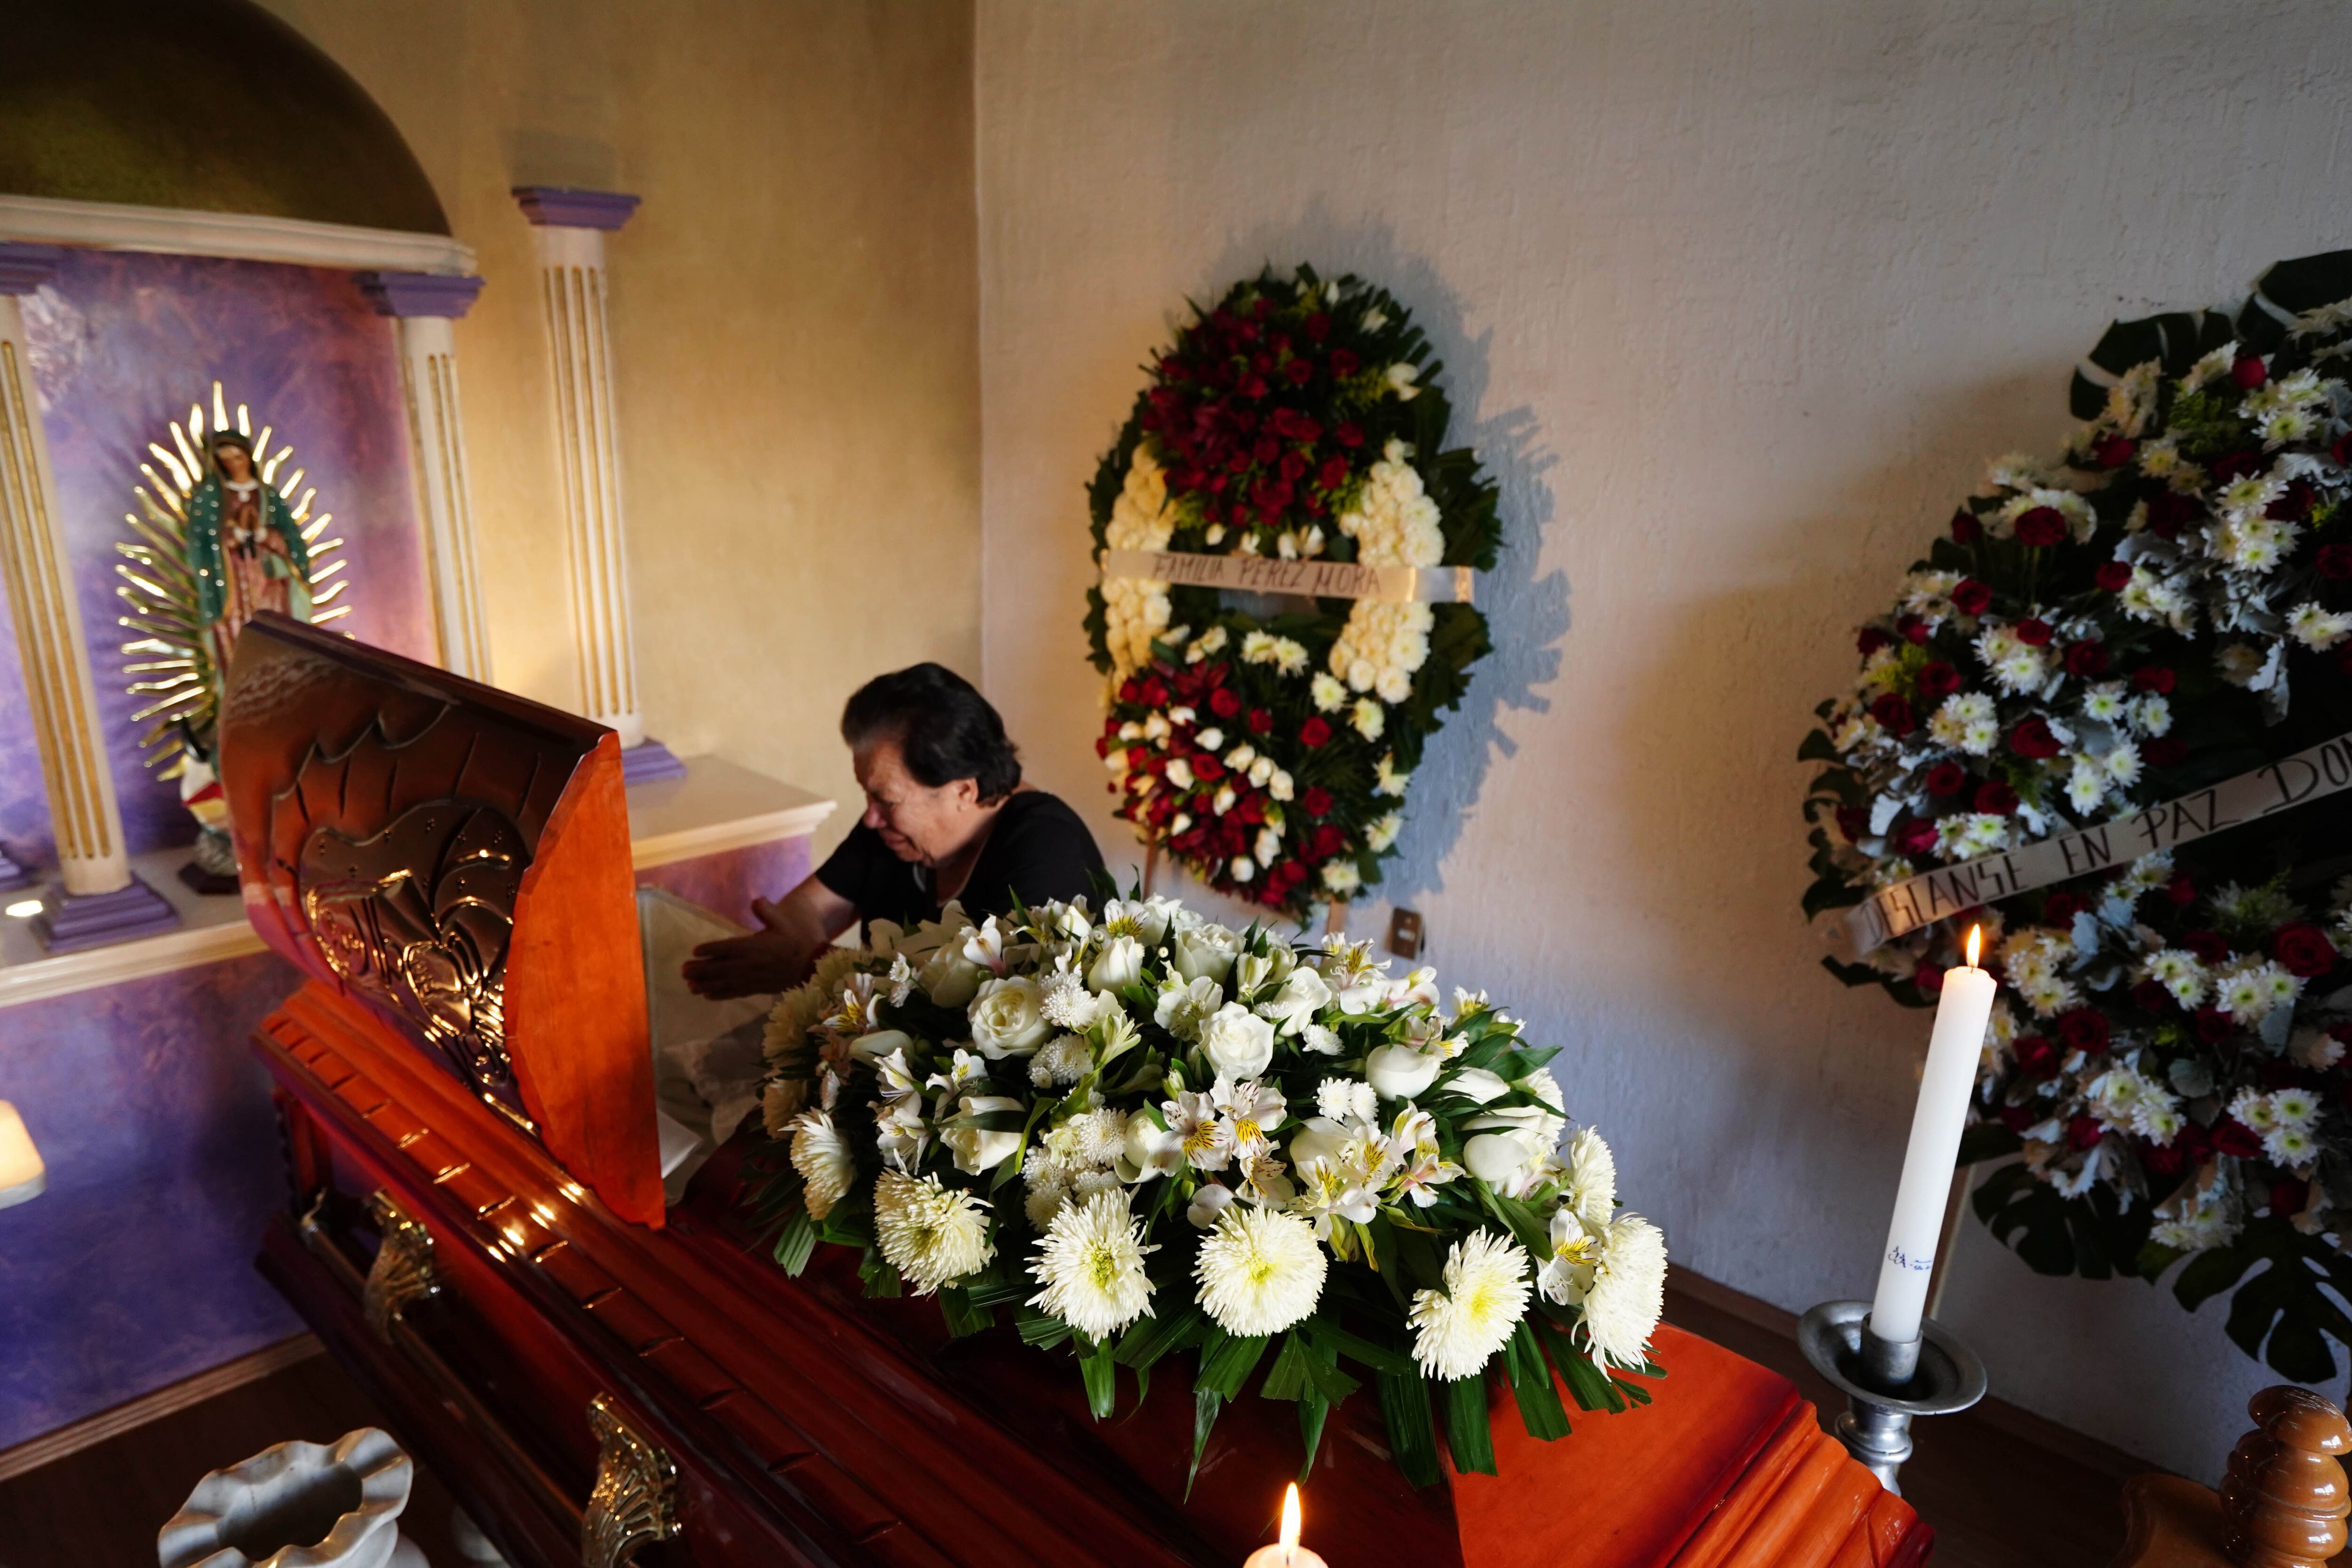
{"x":1736,"y":301}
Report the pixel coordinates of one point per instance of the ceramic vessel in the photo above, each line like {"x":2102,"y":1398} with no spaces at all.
{"x":299,"y":1505}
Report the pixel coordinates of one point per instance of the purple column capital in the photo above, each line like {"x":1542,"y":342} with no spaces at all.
{"x":555,"y":206}
{"x":25,"y":268}
{"x":418,"y":293}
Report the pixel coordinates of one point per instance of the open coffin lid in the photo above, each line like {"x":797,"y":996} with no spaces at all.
{"x":455,"y":859}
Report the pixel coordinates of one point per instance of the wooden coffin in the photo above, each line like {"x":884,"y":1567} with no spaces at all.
{"x":600,"y":1381}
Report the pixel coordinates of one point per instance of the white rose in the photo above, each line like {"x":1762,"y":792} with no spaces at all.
{"x":950,"y":978}
{"x":1121,"y":963}
{"x":1238,"y":1041}
{"x":976,"y":1150}
{"x":1204,"y":952}
{"x":1008,"y":1018}
{"x":1399,"y":1072}
{"x":1495,"y":1157}
{"x":1302,"y":996}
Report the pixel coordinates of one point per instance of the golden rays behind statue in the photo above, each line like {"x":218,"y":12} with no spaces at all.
{"x":221,"y":536}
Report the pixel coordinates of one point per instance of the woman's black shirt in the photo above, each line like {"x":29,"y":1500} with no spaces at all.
{"x":1037,"y":848}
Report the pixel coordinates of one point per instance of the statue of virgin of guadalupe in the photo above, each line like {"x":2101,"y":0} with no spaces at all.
{"x":244,"y":547}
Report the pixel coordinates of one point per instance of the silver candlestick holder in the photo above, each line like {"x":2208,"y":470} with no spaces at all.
{"x":1886,"y":1382}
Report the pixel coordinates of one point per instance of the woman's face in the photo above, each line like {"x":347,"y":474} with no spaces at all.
{"x":235,"y":462}
{"x":921,"y":824}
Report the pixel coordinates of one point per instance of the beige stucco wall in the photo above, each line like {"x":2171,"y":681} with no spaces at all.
{"x":795,"y":335}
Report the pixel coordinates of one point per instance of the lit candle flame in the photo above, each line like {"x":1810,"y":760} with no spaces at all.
{"x":1975,"y":940}
{"x":1290,"y":1520}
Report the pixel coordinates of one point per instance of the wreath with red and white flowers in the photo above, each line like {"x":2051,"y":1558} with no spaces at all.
{"x":2165,"y":607}
{"x":1267,"y":748}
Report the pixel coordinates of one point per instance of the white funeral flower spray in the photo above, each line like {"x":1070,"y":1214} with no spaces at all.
{"x":1457,"y":1329}
{"x":930,"y":1233}
{"x":1260,"y":1270}
{"x":1138,"y":1079}
{"x":1091,"y":1264}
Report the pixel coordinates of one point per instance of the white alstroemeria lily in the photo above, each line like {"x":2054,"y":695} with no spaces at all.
{"x":1421,"y":1165}
{"x":1204,"y":1136}
{"x":1252,"y":1110}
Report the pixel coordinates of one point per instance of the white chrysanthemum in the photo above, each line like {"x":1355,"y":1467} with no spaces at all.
{"x":2294,"y":1106}
{"x":2179,"y":972}
{"x":2016,"y":665}
{"x":1964,"y":722}
{"x":1328,"y":692}
{"x":1387,"y":779}
{"x":1090,"y":1262}
{"x":780,"y":1102}
{"x":1367,"y":718}
{"x":822,"y":1157}
{"x":1135,"y":609}
{"x":2290,"y":1147}
{"x":1383,"y":833}
{"x":2086,"y":785}
{"x":2249,"y":497}
{"x":1341,"y":877}
{"x":1589,"y":1187}
{"x":2254,"y":1108}
{"x":2152,"y":715}
{"x":2107,"y":702}
{"x":1628,"y":1293}
{"x":1966,"y":835}
{"x":1260,"y":1270}
{"x":1457,"y":1329}
{"x":932,"y":1235}
{"x":2316,"y":627}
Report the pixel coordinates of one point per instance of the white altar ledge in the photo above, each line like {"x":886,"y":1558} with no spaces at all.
{"x":717,"y":806}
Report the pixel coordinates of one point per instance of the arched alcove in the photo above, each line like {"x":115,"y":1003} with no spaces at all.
{"x":215,"y":105}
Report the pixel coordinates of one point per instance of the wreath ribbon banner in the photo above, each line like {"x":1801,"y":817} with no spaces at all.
{"x":2310,"y":775}
{"x":1314,"y":579}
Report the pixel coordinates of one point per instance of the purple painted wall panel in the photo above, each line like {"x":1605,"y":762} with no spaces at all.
{"x":134,"y":1268}
{"x":121,"y":345}
{"x":726,"y":883}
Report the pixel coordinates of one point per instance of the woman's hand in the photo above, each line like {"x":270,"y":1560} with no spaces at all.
{"x":779,"y":956}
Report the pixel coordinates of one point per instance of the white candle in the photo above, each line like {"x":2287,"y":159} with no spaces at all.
{"x":1287,"y":1553}
{"x":1944,"y":1089}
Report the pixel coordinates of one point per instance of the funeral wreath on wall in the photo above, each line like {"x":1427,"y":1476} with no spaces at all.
{"x":1286,"y":545}
{"x":2108,"y":720}
{"x":1152,"y":1140}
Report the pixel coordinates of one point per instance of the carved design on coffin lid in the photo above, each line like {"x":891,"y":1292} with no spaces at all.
{"x":403,"y":1271}
{"x":419,"y":917}
{"x":631,"y":1504}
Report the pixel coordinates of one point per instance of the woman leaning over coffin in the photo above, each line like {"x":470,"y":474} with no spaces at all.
{"x":947,"y":817}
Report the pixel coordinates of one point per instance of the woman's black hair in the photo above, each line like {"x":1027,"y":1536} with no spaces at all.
{"x":943,"y":727}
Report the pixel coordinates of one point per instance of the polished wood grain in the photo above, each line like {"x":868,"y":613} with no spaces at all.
{"x":2282,"y":1504}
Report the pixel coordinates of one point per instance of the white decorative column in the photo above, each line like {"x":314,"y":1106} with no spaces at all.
{"x":97,"y":900}
{"x":571,"y":227}
{"x":425,"y":304}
